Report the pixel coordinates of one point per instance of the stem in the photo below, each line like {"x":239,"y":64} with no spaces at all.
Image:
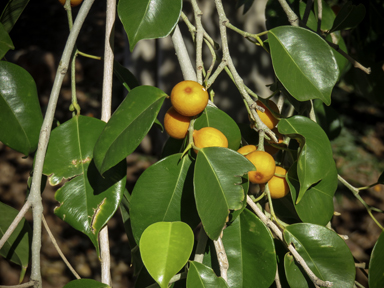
{"x":355,"y":192}
{"x":308,"y":8}
{"x":14,"y":223}
{"x":319,"y":15}
{"x":35,"y":193}
{"x":200,"y":248}
{"x":27,"y":284}
{"x":199,"y":41}
{"x":349,"y":58}
{"x":54,"y":242}
{"x":221,"y":257}
{"x":292,"y":17}
{"x":277,"y":278}
{"x":290,"y":247}
{"x":182,"y":55}
{"x":223,"y":20}
{"x":105,"y":116}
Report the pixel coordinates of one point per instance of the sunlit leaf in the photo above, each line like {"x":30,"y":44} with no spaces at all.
{"x":201,"y":276}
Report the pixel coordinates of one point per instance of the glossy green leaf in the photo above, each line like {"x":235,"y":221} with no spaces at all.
{"x":12,"y":12}
{"x":201,"y":276}
{"x":376,"y":268}
{"x":125,"y":76}
{"x":217,"y":185}
{"x":297,"y":52}
{"x":316,"y":206}
{"x":216,"y":118}
{"x":19,"y":108}
{"x":250,"y":251}
{"x":148,"y":19}
{"x":85,"y":283}
{"x":165,"y":248}
{"x":325,"y":253}
{"x":128,"y":126}
{"x":295,"y":275}
{"x":88,"y":200}
{"x":164,"y":192}
{"x":327,"y":17}
{"x":5,"y":42}
{"x":348,"y":17}
{"x":315,"y":155}
{"x":17,"y":248}
{"x":328,"y":118}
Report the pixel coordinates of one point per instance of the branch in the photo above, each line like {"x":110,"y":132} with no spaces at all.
{"x":200,"y":248}
{"x":199,"y":41}
{"x":14,"y":223}
{"x":223,"y":20}
{"x":349,"y":58}
{"x":319,"y":15}
{"x":292,"y":17}
{"x":183,"y":56}
{"x":35,"y":195}
{"x":307,"y":11}
{"x":221,"y":257}
{"x":105,"y":116}
{"x":26,"y":284}
{"x":59,"y":250}
{"x":290,"y":247}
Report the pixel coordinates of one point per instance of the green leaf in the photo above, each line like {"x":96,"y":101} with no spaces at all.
{"x":164,"y":192}
{"x":325,"y":253}
{"x":376,"y":269}
{"x":297,"y":52}
{"x":250,"y":251}
{"x":172,"y":146}
{"x":125,"y":76}
{"x":315,"y":155}
{"x":316,"y":206}
{"x":217,"y":185}
{"x":216,"y":118}
{"x":201,"y":276}
{"x":295,"y":276}
{"x":19,"y":108}
{"x":5,"y":42}
{"x":348,"y":17}
{"x":17,"y":248}
{"x":328,"y":16}
{"x":12,"y":12}
{"x":148,"y":19}
{"x":88,"y":200}
{"x":128,"y":126}
{"x":85,"y":283}
{"x":165,"y":248}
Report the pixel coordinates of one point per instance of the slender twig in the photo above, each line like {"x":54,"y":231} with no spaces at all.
{"x":182,"y":55}
{"x":308,"y":8}
{"x":355,"y":192}
{"x":26,"y":284}
{"x":217,"y":72}
{"x":292,"y":17}
{"x":238,"y":80}
{"x":14,"y":223}
{"x":221,"y":258}
{"x":35,"y":192}
{"x":349,"y":58}
{"x":54,"y":242}
{"x":105,"y":116}
{"x":290,"y":247}
{"x":277,"y":278}
{"x":319,"y":15}
{"x":199,"y":41}
{"x":200,"y":248}
{"x":211,"y":49}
